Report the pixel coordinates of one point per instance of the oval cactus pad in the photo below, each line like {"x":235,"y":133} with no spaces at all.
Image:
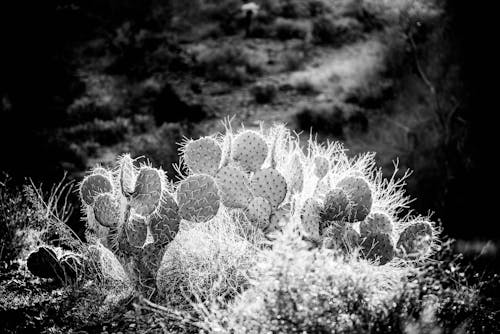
{"x":359,"y":193}
{"x":165,"y":224}
{"x":202,"y":156}
{"x":234,"y":187}
{"x":270,"y":184}
{"x":94,"y":185}
{"x":198,"y":198}
{"x":249,"y":150}
{"x":107,"y":210}
{"x":136,"y":230}
{"x":147,"y":193}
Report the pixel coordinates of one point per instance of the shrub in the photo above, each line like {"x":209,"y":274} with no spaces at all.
{"x":332,"y":119}
{"x":288,"y":29}
{"x":264,"y":93}
{"x":293,"y":60}
{"x":335,"y":31}
{"x":103,"y":132}
{"x":306,"y":86}
{"x":296,"y":290}
{"x":231,"y":63}
{"x":15,"y":217}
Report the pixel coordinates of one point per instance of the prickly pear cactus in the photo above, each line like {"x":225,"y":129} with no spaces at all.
{"x":150,"y":259}
{"x":234,"y":187}
{"x":107,"y":210}
{"x":259,"y":212}
{"x":227,"y":144}
{"x":270,"y":184}
{"x":360,"y":197}
{"x":43,"y":263}
{"x":317,"y":190}
{"x":128,"y":175}
{"x":93,"y":185}
{"x":416,"y":240}
{"x":165,"y":224}
{"x":310,"y":218}
{"x":296,"y":174}
{"x":202,"y":156}
{"x":335,"y":206}
{"x":321,"y":166}
{"x":136,"y":230}
{"x":198,"y":198}
{"x":376,"y":222}
{"x":249,"y":150}
{"x":378,"y":247}
{"x":340,"y":235}
{"x":147,"y":191}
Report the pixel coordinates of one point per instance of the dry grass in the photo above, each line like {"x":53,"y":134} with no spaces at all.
{"x":208,"y":261}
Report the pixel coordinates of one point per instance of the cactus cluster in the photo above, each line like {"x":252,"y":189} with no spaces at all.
{"x":239,"y":174}
{"x":343,"y":217}
{"x":133,"y":212}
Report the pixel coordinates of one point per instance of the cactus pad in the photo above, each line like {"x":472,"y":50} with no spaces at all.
{"x":198,"y":198}
{"x":416,"y":239}
{"x":376,"y":222}
{"x":270,"y":184}
{"x":296,"y":176}
{"x":136,"y":230}
{"x":335,"y":205}
{"x":107,"y":210}
{"x":94,"y":185}
{"x":226,"y":150}
{"x":234,"y":187}
{"x":127,"y":175}
{"x":165,"y":224}
{"x":202,"y":156}
{"x":43,"y":263}
{"x":151,"y":256}
{"x":340,"y":235}
{"x":359,"y":194}
{"x":147,"y":192}
{"x":378,"y":246}
{"x":310,"y":218}
{"x":249,"y":150}
{"x":321,"y":166}
{"x":259,"y":212}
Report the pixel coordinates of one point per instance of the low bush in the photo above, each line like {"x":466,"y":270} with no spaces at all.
{"x":231,"y":63}
{"x":293,"y":60}
{"x":336,"y":120}
{"x":286,"y":29}
{"x":264,"y":93}
{"x":16,"y":215}
{"x":318,"y":291}
{"x":297,"y":290}
{"x":335,"y":31}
